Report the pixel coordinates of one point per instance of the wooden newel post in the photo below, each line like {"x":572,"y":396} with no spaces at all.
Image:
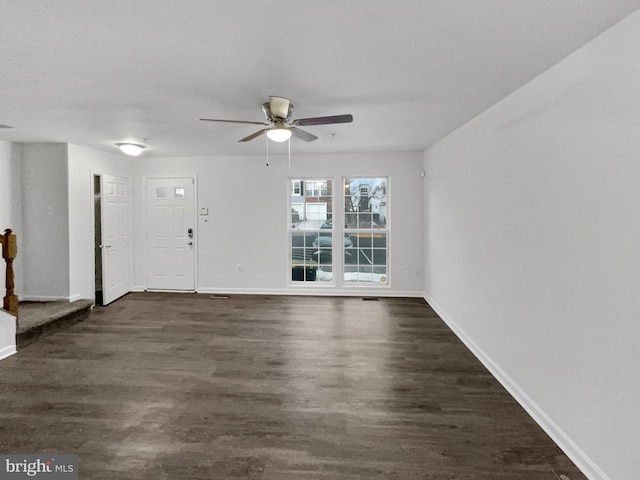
{"x":9,"y":252}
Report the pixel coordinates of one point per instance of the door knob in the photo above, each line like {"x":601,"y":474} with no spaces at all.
{"x":190,"y":243}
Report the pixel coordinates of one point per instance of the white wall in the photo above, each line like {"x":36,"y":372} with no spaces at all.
{"x":248,"y":220}
{"x":45,"y":200}
{"x":7,"y":334}
{"x":248,"y":217}
{"x":11,"y":206}
{"x":533,"y":247}
{"x":49,"y":188}
{"x":10,"y":217}
{"x":83,"y":164}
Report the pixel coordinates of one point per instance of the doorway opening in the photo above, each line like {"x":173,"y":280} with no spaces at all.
{"x":97,"y":239}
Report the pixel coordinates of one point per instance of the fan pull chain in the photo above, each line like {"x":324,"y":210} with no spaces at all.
{"x":289,"y":145}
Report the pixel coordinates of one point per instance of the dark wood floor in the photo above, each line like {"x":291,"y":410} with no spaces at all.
{"x":170,"y":386}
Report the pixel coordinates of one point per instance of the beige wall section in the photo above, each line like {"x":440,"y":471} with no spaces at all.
{"x":47,"y":199}
{"x":45,"y":213}
{"x":532,"y":246}
{"x":11,"y":204}
{"x":248,"y":210}
{"x":83,"y":164}
{"x":7,"y":334}
{"x":248,"y":218}
{"x":10,"y":217}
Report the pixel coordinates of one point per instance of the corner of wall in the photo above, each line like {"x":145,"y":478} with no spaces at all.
{"x":7,"y":334}
{"x":564,"y":441}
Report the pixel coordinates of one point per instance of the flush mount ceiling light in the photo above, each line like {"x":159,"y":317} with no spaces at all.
{"x":133,"y":149}
{"x":279,"y":134}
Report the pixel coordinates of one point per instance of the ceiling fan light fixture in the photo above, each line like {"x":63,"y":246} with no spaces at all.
{"x":279,"y":128}
{"x":279,"y":134}
{"x":133,"y":149}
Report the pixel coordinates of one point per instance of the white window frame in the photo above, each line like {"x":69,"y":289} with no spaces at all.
{"x":297,"y":187}
{"x":354,"y":231}
{"x":315,"y":183}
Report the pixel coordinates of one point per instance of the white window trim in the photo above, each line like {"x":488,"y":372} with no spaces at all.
{"x":386,"y":230}
{"x":304,"y":182}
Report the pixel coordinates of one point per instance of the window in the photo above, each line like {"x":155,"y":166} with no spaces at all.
{"x":296,"y":188}
{"x":310,"y":231}
{"x":365,"y":218}
{"x":316,"y":188}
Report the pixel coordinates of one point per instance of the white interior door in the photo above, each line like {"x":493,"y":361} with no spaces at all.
{"x":170,"y":223}
{"x":117,"y":240}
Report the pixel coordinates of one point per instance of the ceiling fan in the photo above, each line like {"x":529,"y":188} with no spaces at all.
{"x":278,"y":111}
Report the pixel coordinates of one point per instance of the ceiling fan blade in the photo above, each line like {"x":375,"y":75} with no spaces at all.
{"x":233,"y":121}
{"x":279,"y":107}
{"x":323,"y":120}
{"x":253,"y":135}
{"x":302,"y":135}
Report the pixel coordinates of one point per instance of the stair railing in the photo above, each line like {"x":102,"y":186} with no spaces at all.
{"x":9,"y":252}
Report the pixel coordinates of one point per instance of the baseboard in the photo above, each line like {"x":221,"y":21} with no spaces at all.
{"x":566,"y":444}
{"x":7,"y":351}
{"x":314,"y":291}
{"x":47,"y":298}
{"x":138,"y":288}
{"x":44,"y":298}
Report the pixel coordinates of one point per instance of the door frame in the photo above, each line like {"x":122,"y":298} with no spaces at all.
{"x":196,"y":226}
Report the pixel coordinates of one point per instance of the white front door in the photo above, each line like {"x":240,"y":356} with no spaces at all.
{"x":170,"y":243}
{"x":116,"y":245}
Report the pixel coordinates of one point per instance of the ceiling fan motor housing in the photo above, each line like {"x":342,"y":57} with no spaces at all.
{"x":266,"y":108}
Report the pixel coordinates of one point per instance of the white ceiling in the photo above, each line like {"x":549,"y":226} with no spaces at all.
{"x":94,"y":73}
